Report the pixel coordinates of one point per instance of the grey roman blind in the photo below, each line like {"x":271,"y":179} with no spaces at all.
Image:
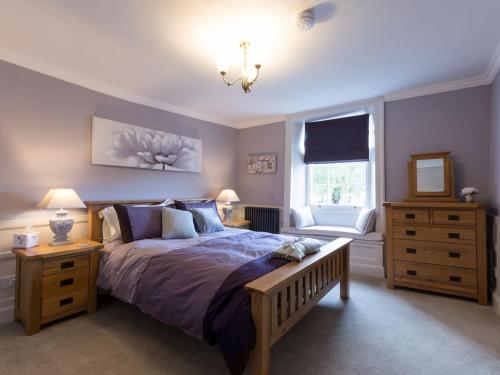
{"x":339,"y":140}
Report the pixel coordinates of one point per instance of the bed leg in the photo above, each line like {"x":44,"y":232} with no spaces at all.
{"x":344,"y":283}
{"x":261,"y":353}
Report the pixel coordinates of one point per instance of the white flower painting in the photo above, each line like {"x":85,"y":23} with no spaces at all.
{"x":119,"y":144}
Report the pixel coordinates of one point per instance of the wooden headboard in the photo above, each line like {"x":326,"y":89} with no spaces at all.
{"x":93,"y":208}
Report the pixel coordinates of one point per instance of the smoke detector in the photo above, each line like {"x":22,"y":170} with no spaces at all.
{"x":305,"y":19}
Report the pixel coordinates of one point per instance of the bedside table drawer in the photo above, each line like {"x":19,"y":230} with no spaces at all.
{"x":65,"y":264}
{"x":64,"y":302}
{"x":65,"y":282}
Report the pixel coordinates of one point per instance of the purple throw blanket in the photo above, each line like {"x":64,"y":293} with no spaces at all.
{"x":200,"y":290}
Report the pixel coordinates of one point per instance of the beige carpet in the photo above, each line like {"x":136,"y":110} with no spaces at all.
{"x":377,"y":332}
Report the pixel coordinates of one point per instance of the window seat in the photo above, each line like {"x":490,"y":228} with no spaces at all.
{"x":366,"y":249}
{"x":334,"y":231}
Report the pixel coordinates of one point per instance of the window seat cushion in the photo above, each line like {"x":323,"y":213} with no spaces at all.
{"x":334,"y":231}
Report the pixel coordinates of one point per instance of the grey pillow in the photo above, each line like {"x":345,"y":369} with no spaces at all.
{"x":366,"y":220}
{"x":207,"y":220}
{"x":177,"y":224}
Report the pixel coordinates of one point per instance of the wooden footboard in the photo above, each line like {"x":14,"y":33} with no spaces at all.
{"x":281,"y":298}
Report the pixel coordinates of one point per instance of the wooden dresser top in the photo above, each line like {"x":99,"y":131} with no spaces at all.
{"x":457,"y":205}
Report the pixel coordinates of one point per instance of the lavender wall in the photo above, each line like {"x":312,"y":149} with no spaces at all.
{"x":495,"y":144}
{"x":456,"y":121}
{"x":45,"y":142}
{"x":495,"y":179}
{"x":262,"y":189}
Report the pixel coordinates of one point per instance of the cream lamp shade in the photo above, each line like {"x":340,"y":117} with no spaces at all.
{"x":228,"y":195}
{"x":60,"y":200}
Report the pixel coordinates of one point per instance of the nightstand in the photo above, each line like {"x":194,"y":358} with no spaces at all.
{"x":240,"y":224}
{"x":53,"y":282}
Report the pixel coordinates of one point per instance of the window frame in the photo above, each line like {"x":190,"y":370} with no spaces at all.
{"x":369,"y":187}
{"x":370,"y":176}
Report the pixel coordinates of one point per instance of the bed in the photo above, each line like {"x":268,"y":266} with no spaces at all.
{"x":235,"y":295}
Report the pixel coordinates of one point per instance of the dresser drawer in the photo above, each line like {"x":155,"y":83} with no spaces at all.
{"x":59,"y":303}
{"x":452,"y":235}
{"x":442,"y":277}
{"x":455,"y":255}
{"x":65,"y":264}
{"x":64,"y":282}
{"x":415,"y":216}
{"x":454,"y":217}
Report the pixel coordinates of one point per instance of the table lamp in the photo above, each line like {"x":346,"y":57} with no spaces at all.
{"x":228,"y":196}
{"x":61,"y":224}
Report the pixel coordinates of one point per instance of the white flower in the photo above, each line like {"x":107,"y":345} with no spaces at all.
{"x":469,"y":191}
{"x":155,"y":150}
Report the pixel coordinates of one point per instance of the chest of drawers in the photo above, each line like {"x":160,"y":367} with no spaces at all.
{"x":53,"y":282}
{"x":438,"y":247}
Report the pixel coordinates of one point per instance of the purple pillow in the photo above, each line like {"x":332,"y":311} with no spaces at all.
{"x":187,"y":205}
{"x":138,"y":223}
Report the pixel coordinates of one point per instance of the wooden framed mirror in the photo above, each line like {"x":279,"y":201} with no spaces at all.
{"x":431,"y":177}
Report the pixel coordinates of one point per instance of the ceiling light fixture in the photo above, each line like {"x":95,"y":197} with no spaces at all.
{"x":249,"y":74}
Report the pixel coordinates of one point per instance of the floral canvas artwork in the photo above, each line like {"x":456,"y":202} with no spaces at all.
{"x":124,"y":145}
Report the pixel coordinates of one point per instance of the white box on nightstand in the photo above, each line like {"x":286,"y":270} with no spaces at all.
{"x":26,"y":240}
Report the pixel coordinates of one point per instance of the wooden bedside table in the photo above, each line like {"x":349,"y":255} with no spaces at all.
{"x":53,"y":282}
{"x":240,"y":224}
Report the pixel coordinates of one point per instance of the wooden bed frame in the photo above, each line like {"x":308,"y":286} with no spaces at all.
{"x":280,"y":298}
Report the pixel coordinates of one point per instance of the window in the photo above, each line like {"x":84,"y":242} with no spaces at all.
{"x":343,"y":184}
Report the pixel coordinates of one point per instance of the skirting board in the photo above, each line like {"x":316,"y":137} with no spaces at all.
{"x":7,"y":310}
{"x":496,"y":303}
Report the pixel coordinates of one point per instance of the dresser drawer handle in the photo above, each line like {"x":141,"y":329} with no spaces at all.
{"x":69,"y":264}
{"x":453,"y":217}
{"x":456,"y":279}
{"x":66,"y":301}
{"x":409,"y":216}
{"x":411,"y":233}
{"x":411,"y":273}
{"x":454,"y":235}
{"x":411,"y":251}
{"x":66,"y":282}
{"x":454,"y":254}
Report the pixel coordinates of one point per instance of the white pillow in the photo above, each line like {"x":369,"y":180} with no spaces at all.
{"x":110,"y":224}
{"x":366,"y":220}
{"x":303,"y":217}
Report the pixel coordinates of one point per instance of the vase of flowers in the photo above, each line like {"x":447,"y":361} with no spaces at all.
{"x":470,"y":194}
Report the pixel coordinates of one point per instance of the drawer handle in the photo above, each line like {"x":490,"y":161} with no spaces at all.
{"x":409,"y":216}
{"x":454,"y":235}
{"x":454,"y":254}
{"x":453,"y":218}
{"x":67,"y":265}
{"x":411,"y":273}
{"x":66,"y":301}
{"x":456,"y":279}
{"x":411,"y":251}
{"x":66,"y":282}
{"x":411,"y":232}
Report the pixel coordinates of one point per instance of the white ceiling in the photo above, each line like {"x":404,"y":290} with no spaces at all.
{"x":162,"y":52}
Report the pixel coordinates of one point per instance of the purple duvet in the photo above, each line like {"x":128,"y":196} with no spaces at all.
{"x":199,"y":287}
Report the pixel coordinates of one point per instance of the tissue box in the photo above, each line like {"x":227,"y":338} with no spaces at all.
{"x":26,"y":240}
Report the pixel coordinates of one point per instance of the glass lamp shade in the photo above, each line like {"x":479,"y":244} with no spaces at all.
{"x":228,"y":195}
{"x":222,"y":64}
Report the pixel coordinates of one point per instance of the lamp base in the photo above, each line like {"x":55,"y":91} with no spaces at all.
{"x":227,"y":210}
{"x":61,"y":226}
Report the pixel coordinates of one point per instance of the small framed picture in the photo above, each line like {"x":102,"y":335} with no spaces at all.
{"x":261,"y":163}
